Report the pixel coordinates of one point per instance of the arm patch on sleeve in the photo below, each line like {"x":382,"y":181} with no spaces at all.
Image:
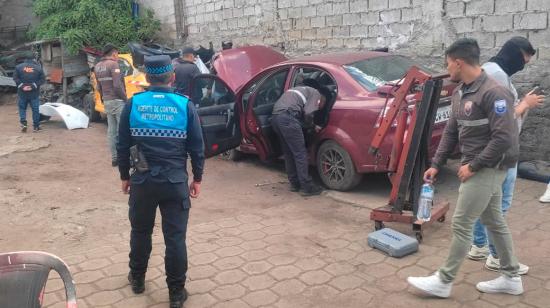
{"x":500,"y":107}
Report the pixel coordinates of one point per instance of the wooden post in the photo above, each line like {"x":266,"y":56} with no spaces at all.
{"x":63,"y":72}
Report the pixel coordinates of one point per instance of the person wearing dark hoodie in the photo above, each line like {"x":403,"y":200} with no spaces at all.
{"x":513,"y":56}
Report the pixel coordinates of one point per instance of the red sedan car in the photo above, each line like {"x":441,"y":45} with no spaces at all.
{"x":235,"y":107}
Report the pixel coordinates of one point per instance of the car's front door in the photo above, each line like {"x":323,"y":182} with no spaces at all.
{"x":258,"y":101}
{"x":215,"y":103}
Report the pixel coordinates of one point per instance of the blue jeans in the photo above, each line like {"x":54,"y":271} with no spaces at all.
{"x":480,"y":232}
{"x":23,"y":101}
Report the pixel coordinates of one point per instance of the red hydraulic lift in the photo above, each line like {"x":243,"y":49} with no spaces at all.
{"x":409,"y":154}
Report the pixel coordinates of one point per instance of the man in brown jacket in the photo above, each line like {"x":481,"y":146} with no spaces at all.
{"x":482,"y":124}
{"x":113,"y":94}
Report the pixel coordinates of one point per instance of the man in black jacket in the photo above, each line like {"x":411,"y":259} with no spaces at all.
{"x":185,"y":70}
{"x":28,"y":77}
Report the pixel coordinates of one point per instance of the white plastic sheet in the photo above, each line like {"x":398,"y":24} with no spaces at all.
{"x":72,"y":117}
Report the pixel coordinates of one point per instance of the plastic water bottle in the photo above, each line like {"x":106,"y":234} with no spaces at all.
{"x":425,"y":202}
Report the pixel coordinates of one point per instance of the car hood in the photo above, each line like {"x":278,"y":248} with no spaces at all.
{"x":237,"y":66}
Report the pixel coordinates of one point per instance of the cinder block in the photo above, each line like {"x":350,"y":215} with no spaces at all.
{"x":411,"y":14}
{"x":300,"y":2}
{"x":377,"y":30}
{"x":227,"y":13}
{"x":253,"y":21}
{"x":370,"y":18}
{"x":340,"y":8}
{"x":283,"y":14}
{"x":398,"y":4}
{"x":351,"y":19}
{"x":462,"y":24}
{"x":540,"y":38}
{"x":335,"y":43}
{"x":238,"y":12}
{"x":498,"y":23}
{"x":390,"y":16}
{"x":284,"y":3}
{"x":370,"y":43}
{"x":334,"y":20}
{"x":454,"y":9}
{"x":209,"y":7}
{"x":318,"y":44}
{"x":378,"y":4}
{"x":340,"y":32}
{"x":353,"y":43}
{"x":484,"y":39}
{"x":324,"y":33}
{"x":359,"y":31}
{"x":479,"y":7}
{"x":295,"y":34}
{"x":302,"y":23}
{"x":510,"y":6}
{"x":227,"y":4}
{"x":248,"y":10}
{"x":309,"y":11}
{"x":538,"y":5}
{"x":295,"y":12}
{"x":324,"y":9}
{"x":309,"y":34}
{"x":304,"y":44}
{"x":531,"y":21}
{"x":358,"y":6}
{"x":318,"y":22}
{"x":242,"y":22}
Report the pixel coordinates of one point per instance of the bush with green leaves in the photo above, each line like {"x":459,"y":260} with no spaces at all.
{"x":93,"y":23}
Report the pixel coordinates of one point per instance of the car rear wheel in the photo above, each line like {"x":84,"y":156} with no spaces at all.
{"x":336,"y":168}
{"x":89,"y":108}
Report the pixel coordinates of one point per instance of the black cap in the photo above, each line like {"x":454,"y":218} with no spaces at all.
{"x":187,"y":50}
{"x":155,"y":65}
{"x":108,"y":48}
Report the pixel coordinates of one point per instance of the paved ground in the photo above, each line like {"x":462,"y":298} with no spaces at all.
{"x":251,"y":243}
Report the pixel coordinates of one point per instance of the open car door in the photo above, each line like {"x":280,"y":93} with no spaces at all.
{"x":215,"y":103}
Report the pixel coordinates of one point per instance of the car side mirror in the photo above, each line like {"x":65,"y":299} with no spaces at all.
{"x":385,"y":90}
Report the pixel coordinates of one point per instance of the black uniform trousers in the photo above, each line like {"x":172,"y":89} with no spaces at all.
{"x":174,"y":204}
{"x":293,"y":143}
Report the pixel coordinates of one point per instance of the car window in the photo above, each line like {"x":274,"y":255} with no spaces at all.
{"x":375,"y":72}
{"x":125,"y":67}
{"x":322,"y":77}
{"x":210,"y":91}
{"x":271,"y":89}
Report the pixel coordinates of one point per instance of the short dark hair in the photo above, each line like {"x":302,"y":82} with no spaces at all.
{"x":159,"y":79}
{"x":523,"y":44}
{"x":108,"y":49}
{"x":465,"y":49}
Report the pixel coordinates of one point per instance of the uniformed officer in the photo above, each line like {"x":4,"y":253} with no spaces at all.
{"x":28,"y":77}
{"x":482,"y":124}
{"x":113,"y":93}
{"x":185,"y":69}
{"x":164,"y":128}
{"x":293,"y":112}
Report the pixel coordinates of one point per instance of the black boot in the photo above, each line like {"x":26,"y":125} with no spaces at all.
{"x":23,"y":127}
{"x":137,"y":283}
{"x":312,"y":190}
{"x":177,"y":297}
{"x":294,"y":187}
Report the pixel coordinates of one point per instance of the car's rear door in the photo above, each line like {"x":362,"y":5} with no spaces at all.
{"x":215,"y":103}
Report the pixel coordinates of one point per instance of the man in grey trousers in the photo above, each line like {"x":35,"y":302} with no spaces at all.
{"x":113,"y":93}
{"x":482,"y":124}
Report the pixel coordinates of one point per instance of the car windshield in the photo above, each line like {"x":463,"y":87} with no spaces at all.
{"x":375,"y":72}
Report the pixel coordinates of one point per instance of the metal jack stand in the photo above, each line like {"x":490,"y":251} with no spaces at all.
{"x":410,"y":149}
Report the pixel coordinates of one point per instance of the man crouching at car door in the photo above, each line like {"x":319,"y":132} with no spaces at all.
{"x":292,"y":112}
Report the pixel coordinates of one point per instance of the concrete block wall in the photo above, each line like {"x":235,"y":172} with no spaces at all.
{"x":165,"y":12}
{"x":419,"y":28}
{"x":15,"y":13}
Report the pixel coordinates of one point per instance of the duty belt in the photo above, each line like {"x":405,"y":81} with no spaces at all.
{"x":472,"y":123}
{"x":105,"y":79}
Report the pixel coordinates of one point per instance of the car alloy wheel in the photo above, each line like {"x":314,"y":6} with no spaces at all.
{"x":336,"y":168}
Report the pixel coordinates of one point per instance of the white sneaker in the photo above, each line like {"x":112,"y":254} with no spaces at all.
{"x":546,"y":197}
{"x":493,"y":264}
{"x":478,"y":253}
{"x":502,"y":284}
{"x":431,"y":285}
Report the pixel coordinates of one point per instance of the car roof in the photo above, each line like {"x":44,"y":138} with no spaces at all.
{"x":338,"y":58}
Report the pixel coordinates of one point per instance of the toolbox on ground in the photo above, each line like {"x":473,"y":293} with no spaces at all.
{"x":393,"y":243}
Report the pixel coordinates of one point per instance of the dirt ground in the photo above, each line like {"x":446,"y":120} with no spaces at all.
{"x":251,"y":242}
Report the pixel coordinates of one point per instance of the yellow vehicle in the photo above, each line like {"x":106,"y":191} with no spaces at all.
{"x":134,"y":80}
